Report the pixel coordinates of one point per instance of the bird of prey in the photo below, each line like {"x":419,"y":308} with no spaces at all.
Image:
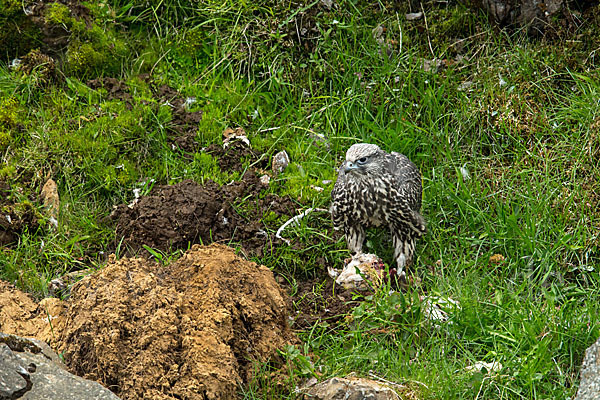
{"x":374,"y":189}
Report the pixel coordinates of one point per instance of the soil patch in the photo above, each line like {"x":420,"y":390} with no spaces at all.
{"x":318,"y":301}
{"x":183,"y":126}
{"x":175,"y":216}
{"x":22,"y":316}
{"x":232,"y":158}
{"x":116,"y":89}
{"x":16,"y":217}
{"x":189,"y":330}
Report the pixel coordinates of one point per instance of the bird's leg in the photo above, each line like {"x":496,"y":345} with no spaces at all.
{"x":404,"y":247}
{"x":355,"y":236}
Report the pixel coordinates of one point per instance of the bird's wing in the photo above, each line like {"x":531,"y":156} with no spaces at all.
{"x":402,"y":167}
{"x":337,"y":199}
{"x":407,"y":179}
{"x":408,"y":193}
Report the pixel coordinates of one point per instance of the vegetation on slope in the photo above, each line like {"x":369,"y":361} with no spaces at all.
{"x":505,"y":129}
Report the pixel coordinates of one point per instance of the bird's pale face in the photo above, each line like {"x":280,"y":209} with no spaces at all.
{"x":362,"y":159}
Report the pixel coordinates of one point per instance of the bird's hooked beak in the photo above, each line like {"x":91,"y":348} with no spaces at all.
{"x":350,"y":166}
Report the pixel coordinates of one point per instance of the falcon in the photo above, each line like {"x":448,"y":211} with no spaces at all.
{"x":379,"y":189}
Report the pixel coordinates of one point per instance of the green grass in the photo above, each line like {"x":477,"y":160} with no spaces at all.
{"x":506,"y":134}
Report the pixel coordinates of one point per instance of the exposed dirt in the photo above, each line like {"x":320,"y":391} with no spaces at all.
{"x":55,"y":37}
{"x":183,"y":126}
{"x":16,"y":217}
{"x":318,"y":301}
{"x":174,"y":216}
{"x":20,"y":315}
{"x":190,"y":330}
{"x":116,"y":89}
{"x":231,"y":158}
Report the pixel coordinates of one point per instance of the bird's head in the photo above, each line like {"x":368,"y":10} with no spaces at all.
{"x":362,"y":159}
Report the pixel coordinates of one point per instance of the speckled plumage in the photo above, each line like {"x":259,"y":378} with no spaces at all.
{"x":376,"y":189}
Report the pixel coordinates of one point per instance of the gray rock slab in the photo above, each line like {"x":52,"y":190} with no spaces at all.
{"x":349,"y":389}
{"x":30,"y":370}
{"x":589,"y":388}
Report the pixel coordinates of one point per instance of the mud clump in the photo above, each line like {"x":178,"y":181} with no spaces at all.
{"x":16,"y":217}
{"x":317,"y":301}
{"x":191,"y":330}
{"x":21,"y":315}
{"x":175,"y":216}
{"x":235,"y":150}
{"x":115,"y":89}
{"x":231,"y":158}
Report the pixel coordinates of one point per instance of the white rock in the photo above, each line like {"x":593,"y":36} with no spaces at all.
{"x":280,"y":162}
{"x":413,"y":16}
{"x":479,"y":366}
{"x":264,"y":180}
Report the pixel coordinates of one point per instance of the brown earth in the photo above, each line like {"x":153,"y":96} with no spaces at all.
{"x":183,"y":126}
{"x":175,"y":216}
{"x":321,"y":301}
{"x":231,"y":158}
{"x":16,"y":216}
{"x":20,"y":315}
{"x":190,"y":330}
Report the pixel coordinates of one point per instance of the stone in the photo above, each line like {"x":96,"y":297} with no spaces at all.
{"x":280,"y":162}
{"x":265,"y":180}
{"x":589,"y":388}
{"x":51,"y":200}
{"x":537,"y":16}
{"x":351,"y":388}
{"x":29,"y":369}
{"x":414,"y":16}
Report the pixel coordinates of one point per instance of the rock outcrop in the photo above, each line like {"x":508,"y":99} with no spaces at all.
{"x":589,"y":388}
{"x":29,"y":369}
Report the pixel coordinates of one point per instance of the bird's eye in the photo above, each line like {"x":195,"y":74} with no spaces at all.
{"x":362,"y":160}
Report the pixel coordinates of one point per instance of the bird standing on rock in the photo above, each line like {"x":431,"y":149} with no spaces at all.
{"x":375,"y":188}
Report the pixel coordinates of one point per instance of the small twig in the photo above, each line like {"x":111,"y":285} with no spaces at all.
{"x":427,"y":30}
{"x":380,"y":379}
{"x":372,"y":375}
{"x":268,"y":129}
{"x":400,"y":29}
{"x":294,"y":220}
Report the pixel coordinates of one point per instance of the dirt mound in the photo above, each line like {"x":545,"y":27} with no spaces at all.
{"x":174,"y":216}
{"x":190,"y":330}
{"x":20,"y":315}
